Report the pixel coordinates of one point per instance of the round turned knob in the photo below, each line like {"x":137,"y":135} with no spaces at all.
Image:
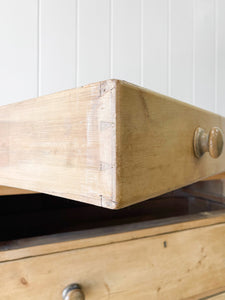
{"x":73,"y":292}
{"x":212,"y":142}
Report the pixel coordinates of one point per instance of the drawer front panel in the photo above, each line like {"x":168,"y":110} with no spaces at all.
{"x":173,"y":266}
{"x":156,"y":144}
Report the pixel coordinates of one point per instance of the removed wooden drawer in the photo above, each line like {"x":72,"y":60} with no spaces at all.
{"x":111,"y":144}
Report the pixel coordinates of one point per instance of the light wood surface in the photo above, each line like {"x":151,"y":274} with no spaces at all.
{"x":5,"y":190}
{"x":155,"y":144}
{"x":209,"y":294}
{"x":176,"y":265}
{"x":111,"y":144}
{"x":17,"y":249}
{"x":220,"y":296}
{"x":62,"y":144}
{"x":216,"y":177}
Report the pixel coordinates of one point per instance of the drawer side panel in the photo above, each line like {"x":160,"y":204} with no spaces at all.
{"x":61,"y":144}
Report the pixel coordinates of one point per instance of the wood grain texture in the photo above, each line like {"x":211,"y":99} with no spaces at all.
{"x":61,"y":144}
{"x":209,"y":294}
{"x":13,"y":250}
{"x":174,"y":266}
{"x":155,"y":144}
{"x":111,"y":144}
{"x":220,"y":296}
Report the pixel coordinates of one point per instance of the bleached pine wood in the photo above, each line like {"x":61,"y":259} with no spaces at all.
{"x":208,"y":295}
{"x":111,"y":144}
{"x":23,"y":248}
{"x":61,"y":144}
{"x":167,"y":266}
{"x":155,"y":144}
{"x":220,"y":296}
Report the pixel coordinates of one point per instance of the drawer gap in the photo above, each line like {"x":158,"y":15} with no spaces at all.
{"x":35,"y":215}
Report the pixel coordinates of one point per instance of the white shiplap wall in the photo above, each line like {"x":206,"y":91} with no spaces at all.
{"x":176,"y":47}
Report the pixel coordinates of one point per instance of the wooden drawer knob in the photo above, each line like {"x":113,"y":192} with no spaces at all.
{"x":73,"y":292}
{"x":211,"y":142}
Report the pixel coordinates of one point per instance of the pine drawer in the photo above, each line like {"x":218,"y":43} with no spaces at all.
{"x":174,"y":265}
{"x":110,"y":143}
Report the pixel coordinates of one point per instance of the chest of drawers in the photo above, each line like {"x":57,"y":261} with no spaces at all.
{"x":110,"y":145}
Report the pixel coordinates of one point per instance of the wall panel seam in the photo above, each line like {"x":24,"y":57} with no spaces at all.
{"x":141,"y":45}
{"x":111,"y":38}
{"x":169,"y":47}
{"x":215,"y":55}
{"x":38,"y":48}
{"x":77,"y":43}
{"x":193,"y":58}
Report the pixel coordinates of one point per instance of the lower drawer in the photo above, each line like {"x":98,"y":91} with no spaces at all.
{"x":176,"y":265}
